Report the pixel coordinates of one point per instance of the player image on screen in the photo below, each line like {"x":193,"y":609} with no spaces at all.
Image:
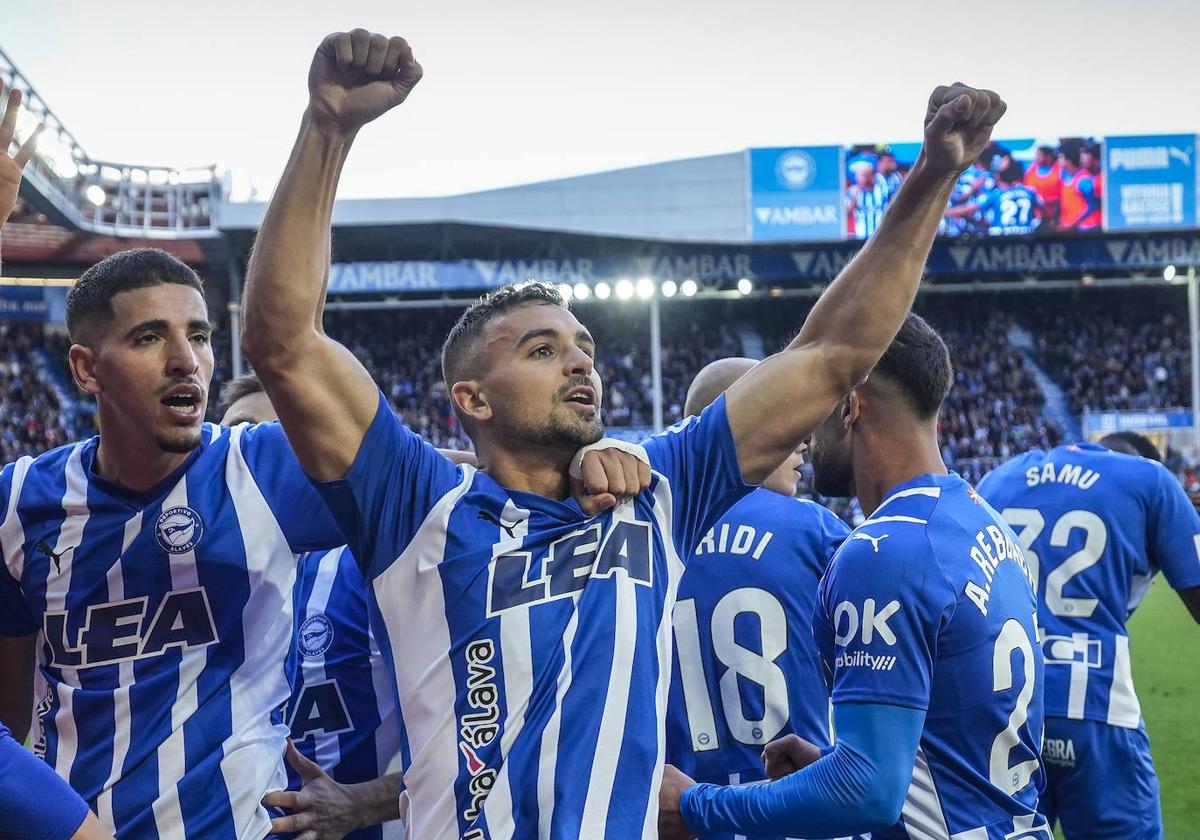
{"x":342,"y":713}
{"x":531,"y":641}
{"x":1098,"y":523}
{"x":747,"y":669}
{"x":926,"y":625}
{"x":1005,"y":207}
{"x":1044,"y":176}
{"x":1081,"y":190}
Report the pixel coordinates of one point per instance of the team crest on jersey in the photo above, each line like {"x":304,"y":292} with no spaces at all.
{"x":316,"y":635}
{"x":179,"y":529}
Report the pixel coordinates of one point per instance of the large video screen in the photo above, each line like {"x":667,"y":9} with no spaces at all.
{"x":1017,"y":187}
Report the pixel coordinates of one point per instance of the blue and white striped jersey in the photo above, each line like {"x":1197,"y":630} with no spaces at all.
{"x":929,"y":605}
{"x":164,"y":621}
{"x":747,"y":669}
{"x":531,"y":643}
{"x":342,"y":712}
{"x":1097,"y":526}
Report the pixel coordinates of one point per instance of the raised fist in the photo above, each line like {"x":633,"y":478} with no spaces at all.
{"x":356,"y":76}
{"x":958,"y":126}
{"x":11,"y":166}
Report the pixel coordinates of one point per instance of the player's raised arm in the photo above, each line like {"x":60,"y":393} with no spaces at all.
{"x":778,"y":403}
{"x":325,"y":398}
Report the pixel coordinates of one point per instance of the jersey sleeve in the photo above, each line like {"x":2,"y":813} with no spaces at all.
{"x":1174,"y":531}
{"x":698,"y":459}
{"x":395,"y":481}
{"x":829,"y":534}
{"x":883,"y":603}
{"x":302,"y":515}
{"x":35,"y":804}
{"x":16,"y":618}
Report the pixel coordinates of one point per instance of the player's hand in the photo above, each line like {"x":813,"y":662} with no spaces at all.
{"x":958,"y":126}
{"x":11,"y":165}
{"x":787,"y":755}
{"x":670,"y":821}
{"x":356,"y":76}
{"x":321,"y":810}
{"x":608,"y":476}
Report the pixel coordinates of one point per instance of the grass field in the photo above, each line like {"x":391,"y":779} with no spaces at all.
{"x":1166,"y":670}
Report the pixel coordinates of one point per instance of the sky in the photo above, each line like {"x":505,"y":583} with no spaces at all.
{"x":529,"y":90}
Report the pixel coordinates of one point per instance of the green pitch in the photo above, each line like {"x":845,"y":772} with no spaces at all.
{"x":1166,"y":670}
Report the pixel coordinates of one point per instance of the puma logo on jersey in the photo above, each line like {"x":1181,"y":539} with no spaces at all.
{"x":53,"y":557}
{"x":488,"y":516}
{"x":859,"y":535}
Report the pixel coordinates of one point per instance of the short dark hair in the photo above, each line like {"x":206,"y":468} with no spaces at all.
{"x":90,"y":299}
{"x":1014,"y":173}
{"x":1071,"y":153}
{"x":1127,"y":441}
{"x":456,"y":349}
{"x":238,"y":387}
{"x":1046,"y":149}
{"x":918,"y":362}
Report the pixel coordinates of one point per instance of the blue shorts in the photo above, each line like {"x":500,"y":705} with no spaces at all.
{"x":1100,"y":781}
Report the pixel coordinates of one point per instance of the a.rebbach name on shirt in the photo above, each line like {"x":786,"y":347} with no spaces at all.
{"x":929,"y":605}
{"x":342,"y":712}
{"x":165,"y":620}
{"x":531,"y":643}
{"x":1097,"y":526}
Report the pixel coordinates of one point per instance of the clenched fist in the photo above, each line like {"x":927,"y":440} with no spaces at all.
{"x":958,"y":126}
{"x":356,"y":76}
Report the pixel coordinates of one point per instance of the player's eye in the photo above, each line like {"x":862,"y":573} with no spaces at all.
{"x":200,"y":338}
{"x":146,"y":338}
{"x":542,"y":351}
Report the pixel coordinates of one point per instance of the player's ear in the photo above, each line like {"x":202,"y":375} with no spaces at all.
{"x":469,"y":399}
{"x":851,"y":407}
{"x":82,"y":361}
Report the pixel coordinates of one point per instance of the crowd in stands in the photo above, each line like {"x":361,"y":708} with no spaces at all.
{"x":1116,"y":350}
{"x":31,"y":418}
{"x":1108,"y":350}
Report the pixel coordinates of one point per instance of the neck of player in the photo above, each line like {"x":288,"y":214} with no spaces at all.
{"x":888,"y":456}
{"x":135,"y":462}
{"x":536,"y":470}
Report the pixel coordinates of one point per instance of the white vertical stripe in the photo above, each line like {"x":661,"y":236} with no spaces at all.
{"x":548,"y":753}
{"x":12,"y":535}
{"x":253,"y":754}
{"x":388,"y":756}
{"x":1123,"y":707}
{"x":58,"y":584}
{"x":663,"y":514}
{"x":517,"y":658}
{"x":922,"y":815}
{"x":411,"y":587}
{"x":616,"y":700}
{"x":1077,"y":694}
{"x":1139,"y":585}
{"x":121,"y":706}
{"x":326,"y":746}
{"x":168,"y":811}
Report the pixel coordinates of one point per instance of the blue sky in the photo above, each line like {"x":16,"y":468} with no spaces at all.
{"x":526,"y":90}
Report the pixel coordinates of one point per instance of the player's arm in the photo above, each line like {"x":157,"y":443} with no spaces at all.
{"x":1173,"y":535}
{"x":35,"y":802}
{"x":860,"y":785}
{"x":325,"y":810}
{"x":779,"y":402}
{"x":16,"y":683}
{"x":325,"y":398}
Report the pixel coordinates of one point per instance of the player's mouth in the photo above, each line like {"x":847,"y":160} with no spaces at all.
{"x":185,"y":402}
{"x":583,"y":396}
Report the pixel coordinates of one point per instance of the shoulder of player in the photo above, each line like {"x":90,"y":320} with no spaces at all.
{"x":885,"y":539}
{"x":48,"y":467}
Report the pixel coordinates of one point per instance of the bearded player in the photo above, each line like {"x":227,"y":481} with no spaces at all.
{"x":532,"y":642}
